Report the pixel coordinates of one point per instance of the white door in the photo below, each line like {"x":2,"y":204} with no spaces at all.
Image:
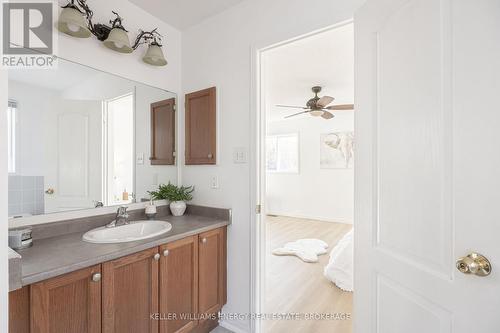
{"x":73,"y":155}
{"x":427,"y":165}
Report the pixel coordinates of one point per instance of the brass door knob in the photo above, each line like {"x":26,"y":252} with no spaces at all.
{"x":474,"y":263}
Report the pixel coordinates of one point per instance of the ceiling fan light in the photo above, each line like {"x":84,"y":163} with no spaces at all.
{"x":316,"y":113}
{"x":72,"y":22}
{"x":118,"y":41}
{"x":154,"y":56}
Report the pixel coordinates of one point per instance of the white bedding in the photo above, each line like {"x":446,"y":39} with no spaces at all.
{"x":340,"y":267}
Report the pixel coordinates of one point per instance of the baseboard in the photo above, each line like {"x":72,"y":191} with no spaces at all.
{"x":233,"y":328}
{"x":310,"y":217}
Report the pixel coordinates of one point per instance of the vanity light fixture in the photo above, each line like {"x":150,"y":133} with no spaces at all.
{"x":117,"y":39}
{"x":76,"y":20}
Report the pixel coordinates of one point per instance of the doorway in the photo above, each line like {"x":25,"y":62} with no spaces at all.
{"x":118,"y":150}
{"x":306,"y":180}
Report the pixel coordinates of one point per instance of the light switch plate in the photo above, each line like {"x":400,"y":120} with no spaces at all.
{"x":140,"y":158}
{"x":239,"y":155}
{"x":214,"y":182}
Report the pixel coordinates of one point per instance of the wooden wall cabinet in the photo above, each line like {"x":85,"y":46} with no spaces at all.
{"x":68,"y":303}
{"x":200,"y":127}
{"x":163,"y":132}
{"x":179,"y":285}
{"x":130,"y":293}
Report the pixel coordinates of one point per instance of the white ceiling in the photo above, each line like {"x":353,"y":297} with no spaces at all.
{"x":182,"y":14}
{"x":325,"y":59}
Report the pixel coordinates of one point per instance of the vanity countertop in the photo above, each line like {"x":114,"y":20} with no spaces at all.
{"x":50,"y":257}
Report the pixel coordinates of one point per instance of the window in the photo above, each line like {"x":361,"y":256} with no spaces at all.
{"x":282,"y":153}
{"x":11,"y":132}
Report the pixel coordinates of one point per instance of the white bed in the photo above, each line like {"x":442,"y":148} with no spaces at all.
{"x":340,"y":266}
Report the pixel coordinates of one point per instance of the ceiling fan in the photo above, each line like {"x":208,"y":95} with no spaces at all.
{"x":318,"y":106}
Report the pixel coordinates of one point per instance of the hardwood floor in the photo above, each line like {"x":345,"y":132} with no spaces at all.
{"x":293,"y":286}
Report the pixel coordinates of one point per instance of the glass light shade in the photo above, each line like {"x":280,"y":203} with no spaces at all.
{"x":118,"y":41}
{"x":154,"y":56}
{"x":73,"y":23}
{"x":316,"y":113}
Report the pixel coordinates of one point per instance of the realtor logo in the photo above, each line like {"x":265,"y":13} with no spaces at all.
{"x":28,"y":34}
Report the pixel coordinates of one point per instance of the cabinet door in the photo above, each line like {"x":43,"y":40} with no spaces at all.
{"x":69,"y":303}
{"x":201,"y":127}
{"x":179,"y":285}
{"x":130,"y":293}
{"x":19,"y":310}
{"x":212,"y":271}
{"x":163,"y":132}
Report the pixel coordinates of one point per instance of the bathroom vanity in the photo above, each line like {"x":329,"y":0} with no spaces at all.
{"x":83,"y":142}
{"x":170,"y":283}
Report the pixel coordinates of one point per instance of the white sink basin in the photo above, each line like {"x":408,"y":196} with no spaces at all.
{"x":136,"y":230}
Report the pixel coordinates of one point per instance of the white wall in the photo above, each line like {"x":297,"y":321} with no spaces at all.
{"x":315,"y":193}
{"x":218,"y":52}
{"x":4,"y":282}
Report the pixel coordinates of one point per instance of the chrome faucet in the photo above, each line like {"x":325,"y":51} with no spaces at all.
{"x":121,"y":218}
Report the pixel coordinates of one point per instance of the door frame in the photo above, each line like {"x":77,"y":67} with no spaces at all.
{"x":257,"y":170}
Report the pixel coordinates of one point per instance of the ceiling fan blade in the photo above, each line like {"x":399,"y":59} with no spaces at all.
{"x":291,"y":106}
{"x":296,"y":114}
{"x":324,"y":101}
{"x":327,"y":115}
{"x":341,"y":107}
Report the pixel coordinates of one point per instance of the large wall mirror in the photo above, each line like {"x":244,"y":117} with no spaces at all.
{"x":80,"y":138}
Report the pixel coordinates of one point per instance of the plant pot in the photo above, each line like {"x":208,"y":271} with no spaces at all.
{"x":177,"y":208}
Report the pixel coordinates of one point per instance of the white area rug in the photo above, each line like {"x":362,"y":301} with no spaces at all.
{"x":340,"y":267}
{"x":306,"y":249}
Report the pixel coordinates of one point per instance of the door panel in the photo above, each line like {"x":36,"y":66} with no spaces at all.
{"x":426,"y":136}
{"x":211,"y":271}
{"x":69,"y":303}
{"x":411,"y":135}
{"x":130,"y":293}
{"x":179,"y":285}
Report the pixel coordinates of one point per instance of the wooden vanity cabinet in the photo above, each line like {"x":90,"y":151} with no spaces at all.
{"x":68,"y":303}
{"x":186,"y":278}
{"x":200,"y":127}
{"x":179,"y":285}
{"x":19,"y":310}
{"x":130,"y":293}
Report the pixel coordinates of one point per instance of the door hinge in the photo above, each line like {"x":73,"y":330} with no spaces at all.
{"x":258,"y":209}
{"x":174,"y":107}
{"x":173,"y":154}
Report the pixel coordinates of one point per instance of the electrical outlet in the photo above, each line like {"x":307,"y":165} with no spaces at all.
{"x":239,"y":155}
{"x":214,"y":182}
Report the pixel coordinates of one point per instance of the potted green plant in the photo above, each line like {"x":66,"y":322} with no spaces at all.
{"x":176,"y":196}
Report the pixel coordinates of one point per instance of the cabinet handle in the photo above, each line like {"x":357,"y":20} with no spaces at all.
{"x":156,"y":257}
{"x":96,"y":277}
{"x":210,"y":156}
{"x":203,"y":240}
{"x":165,"y":253}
